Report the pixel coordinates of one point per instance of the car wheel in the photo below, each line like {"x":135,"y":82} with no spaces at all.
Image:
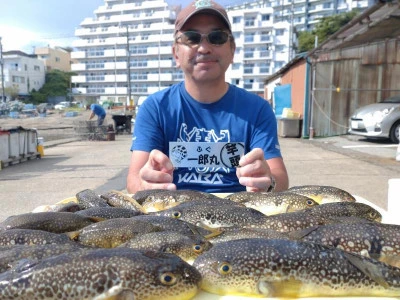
{"x":395,"y":132}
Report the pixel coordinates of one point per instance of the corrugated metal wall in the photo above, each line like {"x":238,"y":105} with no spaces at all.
{"x":346,"y":79}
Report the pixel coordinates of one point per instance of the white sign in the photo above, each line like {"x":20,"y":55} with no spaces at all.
{"x":203,"y":154}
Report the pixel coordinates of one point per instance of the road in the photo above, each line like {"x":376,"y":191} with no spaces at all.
{"x":68,"y":168}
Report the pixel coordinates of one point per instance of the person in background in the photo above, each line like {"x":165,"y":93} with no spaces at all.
{"x":205,"y":108}
{"x":97,"y":110}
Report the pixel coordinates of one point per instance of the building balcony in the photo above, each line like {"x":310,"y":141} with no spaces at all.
{"x":121,"y":91}
{"x":160,"y":77}
{"x":160,"y":64}
{"x":78,"y":79}
{"x":78,"y":67}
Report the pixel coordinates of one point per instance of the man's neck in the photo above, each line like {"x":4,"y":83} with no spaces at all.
{"x":208,"y":92}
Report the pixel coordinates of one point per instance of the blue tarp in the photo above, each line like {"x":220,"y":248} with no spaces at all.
{"x":282,"y":98}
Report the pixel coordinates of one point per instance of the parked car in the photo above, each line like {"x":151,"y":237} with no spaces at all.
{"x":62,"y":105}
{"x":378,"y":120}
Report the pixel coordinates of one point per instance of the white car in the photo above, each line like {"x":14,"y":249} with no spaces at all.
{"x":378,"y":120}
{"x":62,"y":105}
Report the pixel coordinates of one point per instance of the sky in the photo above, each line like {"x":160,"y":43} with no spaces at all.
{"x":26,"y":24}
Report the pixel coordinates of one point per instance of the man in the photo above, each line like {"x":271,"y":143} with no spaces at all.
{"x":97,"y":110}
{"x":204,"y":112}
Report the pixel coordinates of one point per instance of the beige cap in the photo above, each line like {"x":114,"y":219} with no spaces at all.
{"x":201,"y":6}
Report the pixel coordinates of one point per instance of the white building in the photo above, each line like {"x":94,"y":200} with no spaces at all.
{"x":262,"y":31}
{"x":22,"y":73}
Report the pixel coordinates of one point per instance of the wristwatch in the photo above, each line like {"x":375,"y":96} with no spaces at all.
{"x":271,"y":188}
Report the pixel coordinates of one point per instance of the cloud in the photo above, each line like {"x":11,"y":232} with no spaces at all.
{"x":14,"y":38}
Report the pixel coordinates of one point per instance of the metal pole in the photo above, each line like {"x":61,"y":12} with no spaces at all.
{"x":129,"y":66}
{"x":2,"y":72}
{"x":311,"y":135}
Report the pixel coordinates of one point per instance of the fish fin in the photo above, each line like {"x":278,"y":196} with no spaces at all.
{"x":300,"y":234}
{"x":213,"y":231}
{"x":22,"y":265}
{"x":368,"y":267}
{"x":116,"y":293}
{"x":282,"y":289}
{"x":97,"y":219}
{"x":130,"y":200}
{"x":392,"y":260}
{"x":73,"y":235}
{"x":67,"y":200}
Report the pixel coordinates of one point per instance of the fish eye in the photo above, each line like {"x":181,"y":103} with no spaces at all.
{"x":373,"y":214}
{"x":310,"y":202}
{"x":176,"y":214}
{"x":197,"y":248}
{"x":168,"y":278}
{"x":225,"y":268}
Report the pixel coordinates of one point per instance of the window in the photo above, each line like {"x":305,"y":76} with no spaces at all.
{"x":235,"y":81}
{"x":36,"y":68}
{"x":250,"y":21}
{"x":149,"y":13}
{"x":249,"y":37}
{"x":249,"y":52}
{"x":265,"y":17}
{"x":236,"y":20}
{"x":248,"y":84}
{"x":18,"y":79}
{"x":248,"y":69}
{"x":279,"y":32}
{"x":265,"y":36}
{"x":235,"y":66}
{"x":264,"y":67}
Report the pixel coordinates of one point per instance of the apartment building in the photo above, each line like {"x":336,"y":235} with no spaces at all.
{"x":56,"y":58}
{"x":139,"y":34}
{"x":22,"y":73}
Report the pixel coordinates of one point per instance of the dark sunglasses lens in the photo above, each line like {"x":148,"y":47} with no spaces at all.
{"x":191,"y":38}
{"x":218,"y":37}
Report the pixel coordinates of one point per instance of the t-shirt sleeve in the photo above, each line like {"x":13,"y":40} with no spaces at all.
{"x":147,"y":133}
{"x":266,"y":133}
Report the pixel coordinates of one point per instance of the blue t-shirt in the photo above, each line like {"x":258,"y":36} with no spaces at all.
{"x":172,"y":115}
{"x":98,"y":110}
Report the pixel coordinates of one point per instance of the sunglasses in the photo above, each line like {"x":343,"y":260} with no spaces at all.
{"x":193,"y":38}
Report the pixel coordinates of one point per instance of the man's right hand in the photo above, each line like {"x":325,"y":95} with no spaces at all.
{"x":157,"y":173}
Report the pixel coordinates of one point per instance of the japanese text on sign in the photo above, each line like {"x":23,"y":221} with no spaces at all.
{"x":202,"y":154}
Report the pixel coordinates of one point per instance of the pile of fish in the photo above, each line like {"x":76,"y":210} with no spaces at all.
{"x":309,"y":241}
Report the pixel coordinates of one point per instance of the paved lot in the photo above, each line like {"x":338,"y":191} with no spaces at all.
{"x":72,"y":166}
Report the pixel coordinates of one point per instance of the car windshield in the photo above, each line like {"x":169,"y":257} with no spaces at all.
{"x":394,"y":99}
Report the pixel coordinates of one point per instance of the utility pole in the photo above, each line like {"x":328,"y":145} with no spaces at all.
{"x":129,"y":65}
{"x":2,"y":72}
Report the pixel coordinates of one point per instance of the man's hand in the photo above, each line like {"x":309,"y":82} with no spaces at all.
{"x":254,"y":172}
{"x":157,"y":173}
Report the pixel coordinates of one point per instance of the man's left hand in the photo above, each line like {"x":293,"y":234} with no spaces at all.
{"x":254,"y":172}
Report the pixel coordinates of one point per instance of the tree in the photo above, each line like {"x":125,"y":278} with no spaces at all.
{"x":57,"y":83}
{"x":323,"y":30}
{"x":12,"y":91}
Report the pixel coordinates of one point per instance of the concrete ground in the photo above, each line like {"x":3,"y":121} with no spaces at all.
{"x":69,"y":166}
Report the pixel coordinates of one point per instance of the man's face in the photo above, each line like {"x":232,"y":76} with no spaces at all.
{"x":204,"y":61}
